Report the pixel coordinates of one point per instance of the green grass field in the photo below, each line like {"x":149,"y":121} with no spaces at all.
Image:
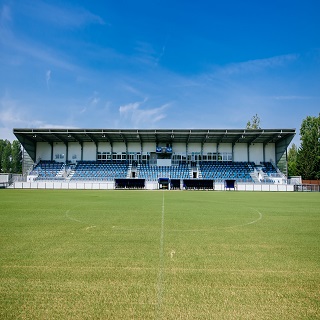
{"x":159,"y":255}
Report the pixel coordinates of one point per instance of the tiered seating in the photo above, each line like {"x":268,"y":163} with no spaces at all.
{"x":152,"y":173}
{"x":47,"y":170}
{"x":220,"y":171}
{"x":268,"y":168}
{"x":95,"y":171}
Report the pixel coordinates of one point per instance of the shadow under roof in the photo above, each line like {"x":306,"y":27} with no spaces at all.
{"x":155,"y":135}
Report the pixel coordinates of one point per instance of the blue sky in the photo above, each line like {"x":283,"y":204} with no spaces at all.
{"x":158,"y":64}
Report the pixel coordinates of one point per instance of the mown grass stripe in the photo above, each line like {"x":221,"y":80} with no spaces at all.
{"x":160,"y":285}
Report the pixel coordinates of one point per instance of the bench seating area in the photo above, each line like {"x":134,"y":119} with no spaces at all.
{"x":220,"y":171}
{"x":107,"y":171}
{"x":48,"y":170}
{"x":95,"y":171}
{"x":268,"y":168}
{"x":152,"y":173}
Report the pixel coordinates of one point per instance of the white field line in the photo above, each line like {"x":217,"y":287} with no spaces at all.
{"x":213,"y":228}
{"x":248,"y":223}
{"x":70,"y":218}
{"x":160,"y":283}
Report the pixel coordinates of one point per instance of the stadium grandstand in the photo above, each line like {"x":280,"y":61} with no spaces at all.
{"x":219,"y":159}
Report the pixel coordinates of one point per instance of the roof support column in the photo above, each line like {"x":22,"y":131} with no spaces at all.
{"x":81,"y":145}
{"x":264,"y":152}
{"x":248,"y":151}
{"x":141,"y":151}
{"x":51,"y":144}
{"x":217,"y":152}
{"x":202,"y":143}
{"x":232,"y":151}
{"x":187,"y":152}
{"x":67,"y":152}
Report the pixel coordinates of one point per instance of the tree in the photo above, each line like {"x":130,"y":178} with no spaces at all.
{"x":254,"y":123}
{"x":292,"y":160}
{"x":6,"y":157}
{"x":10,"y":156}
{"x":2,"y":146}
{"x":308,"y":157}
{"x":16,"y":153}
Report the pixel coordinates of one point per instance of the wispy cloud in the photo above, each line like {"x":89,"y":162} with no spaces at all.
{"x":61,"y":16}
{"x":15,"y":115}
{"x":256,"y":65}
{"x":48,"y":77}
{"x":94,"y":99}
{"x":36,"y":51}
{"x":147,"y":54}
{"x":292,"y":97}
{"x":17,"y":44}
{"x":142,"y":117}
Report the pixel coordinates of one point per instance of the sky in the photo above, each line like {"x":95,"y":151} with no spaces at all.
{"x":158,"y":64}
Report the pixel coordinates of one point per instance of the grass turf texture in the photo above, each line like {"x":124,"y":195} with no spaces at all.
{"x":159,"y":255}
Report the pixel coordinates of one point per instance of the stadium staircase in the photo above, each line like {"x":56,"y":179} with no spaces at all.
{"x":129,"y":171}
{"x":199,"y":173}
{"x":254,"y":177}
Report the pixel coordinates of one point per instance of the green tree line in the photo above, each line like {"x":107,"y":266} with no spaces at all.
{"x":10,"y":156}
{"x":304,"y":161}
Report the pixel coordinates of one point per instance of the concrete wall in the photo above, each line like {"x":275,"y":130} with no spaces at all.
{"x":104,"y":147}
{"x":134,"y":147}
{"x":150,"y":185}
{"x":270,"y":153}
{"x":178,"y":148}
{"x":74,"y":153}
{"x":5,"y":177}
{"x":225,"y":147}
{"x":109,"y":185}
{"x":119,"y":147}
{"x":89,"y":150}
{"x":240,"y":152}
{"x":194,"y":147}
{"x":210,"y":147}
{"x":256,"y":153}
{"x":149,"y":147}
{"x":43,"y":151}
{"x":59,"y":152}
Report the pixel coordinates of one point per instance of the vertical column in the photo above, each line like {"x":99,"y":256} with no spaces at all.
{"x":51,"y":144}
{"x":217,"y":152}
{"x":67,"y":152}
{"x":232,"y":151}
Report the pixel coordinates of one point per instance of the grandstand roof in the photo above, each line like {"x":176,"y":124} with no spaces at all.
{"x":155,"y":135}
{"x":281,"y":137}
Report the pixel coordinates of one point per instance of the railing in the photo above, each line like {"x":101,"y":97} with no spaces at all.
{"x":307,"y":188}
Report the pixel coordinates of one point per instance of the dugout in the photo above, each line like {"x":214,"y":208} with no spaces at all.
{"x":230,"y":184}
{"x":175,"y":184}
{"x":198,"y":184}
{"x":129,"y":183}
{"x":164,"y":183}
